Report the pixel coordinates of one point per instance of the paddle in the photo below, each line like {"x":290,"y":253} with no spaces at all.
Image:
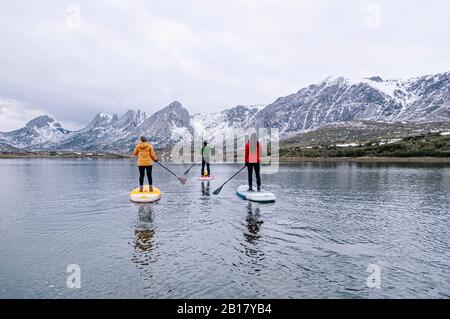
{"x":185,"y":173}
{"x":181,"y":179}
{"x":217,"y":191}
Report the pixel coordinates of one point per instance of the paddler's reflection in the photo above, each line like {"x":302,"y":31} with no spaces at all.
{"x":205,"y":189}
{"x":144,"y":233}
{"x":253,"y":224}
{"x":145,"y":213}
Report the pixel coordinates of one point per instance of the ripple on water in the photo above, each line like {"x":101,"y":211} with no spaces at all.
{"x":329,"y":223}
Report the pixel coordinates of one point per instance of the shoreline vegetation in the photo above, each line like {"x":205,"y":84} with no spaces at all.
{"x":424,"y":148}
{"x":366,"y":159}
{"x":282,"y":160}
{"x":73,"y":155}
{"x":429,"y":148}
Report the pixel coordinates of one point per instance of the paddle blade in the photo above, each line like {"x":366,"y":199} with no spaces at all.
{"x":183,"y":180}
{"x":217,"y":191}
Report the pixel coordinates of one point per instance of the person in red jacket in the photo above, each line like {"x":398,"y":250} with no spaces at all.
{"x":252,"y":161}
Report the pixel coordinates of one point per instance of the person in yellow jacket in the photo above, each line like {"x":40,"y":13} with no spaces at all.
{"x":146,"y":156}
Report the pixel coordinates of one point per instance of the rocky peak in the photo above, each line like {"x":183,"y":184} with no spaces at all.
{"x":376,"y":79}
{"x":42,"y":121}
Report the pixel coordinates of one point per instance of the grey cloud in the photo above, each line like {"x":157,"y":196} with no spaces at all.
{"x":207,"y":54}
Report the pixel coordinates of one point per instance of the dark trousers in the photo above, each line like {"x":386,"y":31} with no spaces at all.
{"x":250,"y":168}
{"x":142,"y":170}
{"x":203,"y":168}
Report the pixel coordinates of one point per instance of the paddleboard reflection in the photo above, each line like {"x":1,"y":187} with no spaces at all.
{"x":253,"y":222}
{"x":205,"y":189}
{"x":144,"y":236}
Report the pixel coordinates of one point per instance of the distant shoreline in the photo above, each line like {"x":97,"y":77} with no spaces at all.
{"x":67,"y":156}
{"x":366,"y":159}
{"x":283,"y":160}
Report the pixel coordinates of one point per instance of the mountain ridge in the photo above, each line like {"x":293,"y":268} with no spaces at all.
{"x":332,"y":101}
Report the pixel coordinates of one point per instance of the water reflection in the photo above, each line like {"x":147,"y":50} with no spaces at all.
{"x":253,"y":223}
{"x":145,"y":213}
{"x":330,"y":222}
{"x":144,"y":236}
{"x":205,"y":189}
{"x":254,"y":255}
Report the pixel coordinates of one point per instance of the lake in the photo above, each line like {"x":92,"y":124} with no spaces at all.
{"x":331,"y":223}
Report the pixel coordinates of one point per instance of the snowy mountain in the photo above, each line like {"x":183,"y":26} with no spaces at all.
{"x":333,"y":101}
{"x":6,"y":147}
{"x":338,"y":100}
{"x":108,"y":132}
{"x":213,"y":126}
{"x":43,"y":130}
{"x":101,"y":131}
{"x":132,"y":119}
{"x":167,"y":126}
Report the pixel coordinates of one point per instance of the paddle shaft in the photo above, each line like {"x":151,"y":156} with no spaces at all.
{"x":220,"y":188}
{"x":185,"y":173}
{"x":167,"y":169}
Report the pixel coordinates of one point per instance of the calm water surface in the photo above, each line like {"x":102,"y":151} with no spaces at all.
{"x":330,"y":222}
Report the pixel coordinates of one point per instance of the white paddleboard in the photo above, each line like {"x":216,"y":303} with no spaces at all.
{"x":146,"y":196}
{"x":205,"y":178}
{"x":262,"y":196}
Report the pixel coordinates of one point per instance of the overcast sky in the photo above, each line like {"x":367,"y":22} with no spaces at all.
{"x":74,"y":59}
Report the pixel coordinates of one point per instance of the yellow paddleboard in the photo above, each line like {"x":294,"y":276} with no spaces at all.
{"x":146,"y":196}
